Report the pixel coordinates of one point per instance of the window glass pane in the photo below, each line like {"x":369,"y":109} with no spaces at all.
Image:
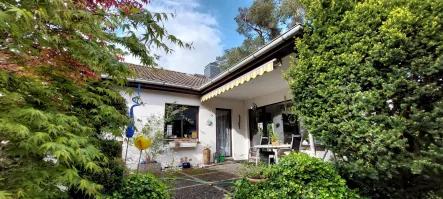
{"x":168,"y":129}
{"x":176,"y":128}
{"x":184,"y":124}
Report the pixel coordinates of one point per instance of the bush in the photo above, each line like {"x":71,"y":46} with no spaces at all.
{"x":368,"y":82}
{"x":297,"y":175}
{"x":142,"y":186}
{"x":112,"y":176}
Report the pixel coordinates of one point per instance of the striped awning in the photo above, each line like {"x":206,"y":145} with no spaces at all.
{"x":268,"y":67}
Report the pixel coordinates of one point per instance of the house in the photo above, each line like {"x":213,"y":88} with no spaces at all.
{"x":220,"y":107}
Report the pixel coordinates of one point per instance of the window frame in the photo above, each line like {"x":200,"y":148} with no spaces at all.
{"x":197,"y":118}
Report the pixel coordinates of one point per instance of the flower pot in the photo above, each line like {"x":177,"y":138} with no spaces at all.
{"x":206,"y":156}
{"x":275,"y":143}
{"x":255,"y":181}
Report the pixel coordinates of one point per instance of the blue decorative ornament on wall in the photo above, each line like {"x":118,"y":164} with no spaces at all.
{"x":135,"y":99}
{"x":254,"y":106}
{"x":209,"y":122}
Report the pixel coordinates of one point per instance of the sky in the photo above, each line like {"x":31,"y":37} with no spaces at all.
{"x":208,"y":24}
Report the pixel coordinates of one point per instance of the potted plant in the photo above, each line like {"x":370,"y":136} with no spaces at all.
{"x":256,"y":175}
{"x":274,"y":139}
{"x":206,"y":155}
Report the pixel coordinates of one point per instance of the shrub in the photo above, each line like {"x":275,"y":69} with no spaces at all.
{"x":297,"y":175}
{"x":368,"y":82}
{"x":142,"y":186}
{"x":112,"y":176}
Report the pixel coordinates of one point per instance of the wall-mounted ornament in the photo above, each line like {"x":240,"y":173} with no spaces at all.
{"x":209,"y":122}
{"x":254,"y":106}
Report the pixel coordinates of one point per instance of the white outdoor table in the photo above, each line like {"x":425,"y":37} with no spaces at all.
{"x":273,"y":148}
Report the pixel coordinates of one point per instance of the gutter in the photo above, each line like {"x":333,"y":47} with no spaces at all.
{"x":277,"y":41}
{"x":288,"y":35}
{"x":160,"y":83}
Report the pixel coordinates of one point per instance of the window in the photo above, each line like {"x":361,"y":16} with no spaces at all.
{"x":276,"y":118}
{"x":181,"y":121}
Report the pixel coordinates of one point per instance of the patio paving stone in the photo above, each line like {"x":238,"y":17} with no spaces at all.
{"x":195,"y":171}
{"x":227,"y":187}
{"x":199,"y":192}
{"x":185,"y":189}
{"x":219,"y":176}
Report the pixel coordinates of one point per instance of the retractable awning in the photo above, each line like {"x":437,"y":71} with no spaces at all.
{"x":267,"y":67}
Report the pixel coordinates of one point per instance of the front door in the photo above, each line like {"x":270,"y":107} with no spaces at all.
{"x":223,"y":132}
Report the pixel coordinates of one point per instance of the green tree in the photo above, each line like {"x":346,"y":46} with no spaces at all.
{"x":368,"y":82}
{"x":260,"y":23}
{"x":234,"y":55}
{"x":54,"y":108}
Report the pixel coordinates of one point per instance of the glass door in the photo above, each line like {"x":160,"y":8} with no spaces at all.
{"x":257,"y":126}
{"x":223,"y":132}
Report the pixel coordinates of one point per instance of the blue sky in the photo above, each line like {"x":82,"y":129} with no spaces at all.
{"x":208,"y":24}
{"x":225,"y":11}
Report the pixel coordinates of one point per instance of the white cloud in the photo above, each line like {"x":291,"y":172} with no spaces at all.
{"x":191,"y":26}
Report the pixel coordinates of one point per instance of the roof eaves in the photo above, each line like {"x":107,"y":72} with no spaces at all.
{"x":275,"y":42}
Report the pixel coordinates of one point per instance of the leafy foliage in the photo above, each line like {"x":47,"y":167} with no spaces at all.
{"x":113,"y":171}
{"x":260,"y":23}
{"x":234,"y":55}
{"x":142,"y":186}
{"x":54,"y":109}
{"x":368,"y":82}
{"x":43,"y":143}
{"x":297,"y":175}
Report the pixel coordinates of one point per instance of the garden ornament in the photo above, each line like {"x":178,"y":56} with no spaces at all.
{"x":135,"y":99}
{"x":209,"y":122}
{"x":130,"y":129}
{"x":141,"y":143}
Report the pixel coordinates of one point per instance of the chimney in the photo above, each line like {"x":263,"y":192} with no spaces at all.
{"x":212,"y":70}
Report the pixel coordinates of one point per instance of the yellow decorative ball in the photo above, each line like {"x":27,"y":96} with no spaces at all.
{"x":142,"y":143}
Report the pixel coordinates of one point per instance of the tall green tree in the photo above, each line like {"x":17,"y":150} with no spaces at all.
{"x":260,"y":23}
{"x":234,"y":55}
{"x":53,"y":105}
{"x":368,"y":81}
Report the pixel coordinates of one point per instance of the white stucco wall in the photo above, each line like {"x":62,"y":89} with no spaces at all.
{"x":239,"y":134}
{"x":154,"y":103}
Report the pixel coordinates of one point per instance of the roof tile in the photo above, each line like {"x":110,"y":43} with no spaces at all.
{"x":168,"y":76}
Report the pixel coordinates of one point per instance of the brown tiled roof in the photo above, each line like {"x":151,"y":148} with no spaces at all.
{"x":168,"y":76}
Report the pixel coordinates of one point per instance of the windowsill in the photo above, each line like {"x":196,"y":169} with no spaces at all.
{"x":181,"y":139}
{"x":183,"y":144}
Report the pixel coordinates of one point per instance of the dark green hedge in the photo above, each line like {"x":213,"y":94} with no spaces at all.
{"x":297,"y":175}
{"x":142,"y":186}
{"x":368,"y":81}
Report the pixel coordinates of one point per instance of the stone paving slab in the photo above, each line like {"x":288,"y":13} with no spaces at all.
{"x":180,"y":183}
{"x":219,"y":176}
{"x":236,"y":169}
{"x":196,"y":171}
{"x":199,"y":192}
{"x":225,"y":173}
{"x":227,"y":187}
